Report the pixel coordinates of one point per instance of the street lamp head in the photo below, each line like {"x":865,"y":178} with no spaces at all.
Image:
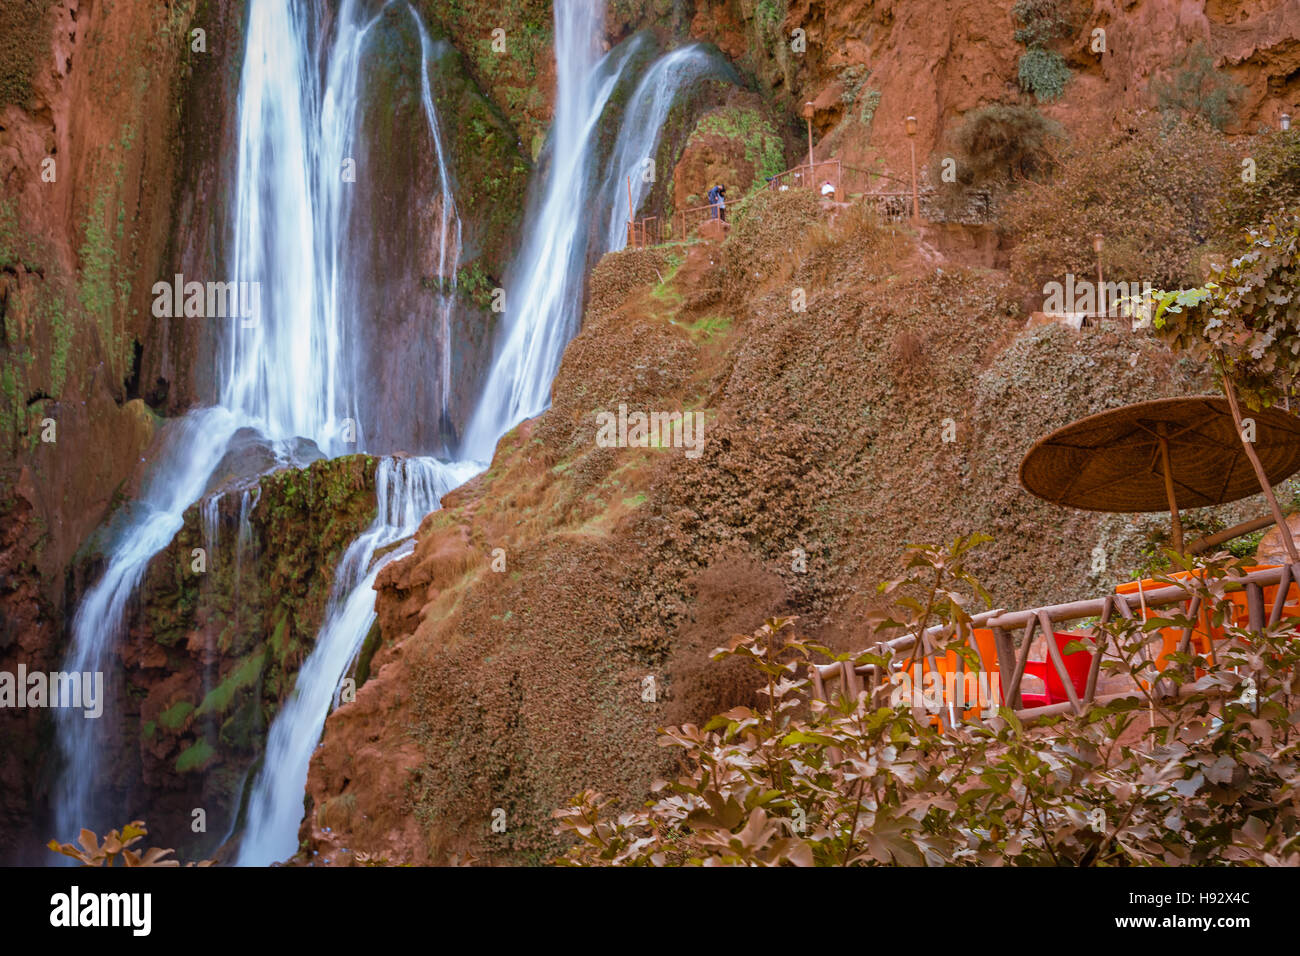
{"x":911,"y":126}
{"x":808,"y":110}
{"x":1096,"y":243}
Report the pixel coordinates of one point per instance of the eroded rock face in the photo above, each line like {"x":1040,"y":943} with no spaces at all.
{"x":736,"y":144}
{"x":868,"y":64}
{"x":90,"y":172}
{"x":425,"y":267}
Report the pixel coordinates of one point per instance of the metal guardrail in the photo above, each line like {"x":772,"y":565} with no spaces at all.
{"x":642,"y":233}
{"x":804,"y":176}
{"x":1008,"y":660}
{"x":688,"y":220}
{"x":890,"y":206}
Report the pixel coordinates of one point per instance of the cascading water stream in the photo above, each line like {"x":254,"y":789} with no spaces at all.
{"x":282,"y":367}
{"x":407,"y":489}
{"x":544,"y":296}
{"x":449,"y":222}
{"x":288,"y":367}
{"x":191,"y":450}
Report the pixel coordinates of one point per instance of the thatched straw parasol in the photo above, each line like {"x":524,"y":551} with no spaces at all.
{"x":1170,"y":453}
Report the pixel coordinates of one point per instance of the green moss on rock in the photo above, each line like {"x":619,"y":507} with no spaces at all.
{"x":233,"y":637}
{"x":194,"y":757}
{"x":219,"y":698}
{"x":174,"y":716}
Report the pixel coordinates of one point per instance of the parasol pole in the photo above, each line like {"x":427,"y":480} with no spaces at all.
{"x":1169,"y":488}
{"x":1230,"y":390}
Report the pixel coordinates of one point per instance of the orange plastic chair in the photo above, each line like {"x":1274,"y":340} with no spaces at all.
{"x":1241,"y":611}
{"x":1203,"y":635}
{"x":949,"y":663}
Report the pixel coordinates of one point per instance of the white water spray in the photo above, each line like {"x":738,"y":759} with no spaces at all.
{"x":192,"y":448}
{"x":289,"y":368}
{"x":283,"y":369}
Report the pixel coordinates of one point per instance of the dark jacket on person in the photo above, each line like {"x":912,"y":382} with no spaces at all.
{"x":718,"y":200}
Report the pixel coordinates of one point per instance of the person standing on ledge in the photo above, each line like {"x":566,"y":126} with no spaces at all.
{"x":718,"y":200}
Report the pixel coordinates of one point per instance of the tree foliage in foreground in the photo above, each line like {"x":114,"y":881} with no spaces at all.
{"x":1246,"y":321}
{"x":90,"y":851}
{"x":1212,"y":779}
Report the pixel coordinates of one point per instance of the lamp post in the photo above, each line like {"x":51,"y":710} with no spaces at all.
{"x":1101,"y":287}
{"x":916,"y":197}
{"x":808,"y":111}
{"x":1285,"y":121}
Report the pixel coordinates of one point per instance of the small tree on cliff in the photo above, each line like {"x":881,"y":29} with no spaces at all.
{"x":1246,"y":323}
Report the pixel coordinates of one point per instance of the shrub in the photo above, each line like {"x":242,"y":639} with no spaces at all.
{"x":859,"y":783}
{"x":1198,"y":90}
{"x":1042,"y":70}
{"x":1275,"y":186}
{"x":1043,"y":73}
{"x":1150,"y":193}
{"x":1245,"y":321}
{"x":1042,"y":22}
{"x":24,"y":38}
{"x":1003,"y":143}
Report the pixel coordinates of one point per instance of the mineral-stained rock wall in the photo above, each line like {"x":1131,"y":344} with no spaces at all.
{"x":91,"y":132}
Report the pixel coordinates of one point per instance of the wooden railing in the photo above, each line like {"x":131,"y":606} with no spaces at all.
{"x":853,"y":680}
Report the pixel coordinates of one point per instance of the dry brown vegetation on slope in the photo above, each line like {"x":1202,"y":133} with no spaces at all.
{"x":511,"y":690}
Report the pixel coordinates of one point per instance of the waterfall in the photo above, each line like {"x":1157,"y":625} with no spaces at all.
{"x":287,"y":366}
{"x":407,"y":489}
{"x":642,"y":128}
{"x":281,"y":366}
{"x":289,"y":370}
{"x":191,"y":449}
{"x":549,"y":288}
{"x":449,"y":222}
{"x":544,"y":294}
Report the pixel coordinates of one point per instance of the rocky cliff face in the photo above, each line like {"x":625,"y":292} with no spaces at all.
{"x":89,"y":171}
{"x":868,"y":64}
